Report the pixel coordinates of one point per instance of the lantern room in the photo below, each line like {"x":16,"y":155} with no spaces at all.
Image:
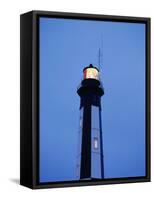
{"x":91,"y":72}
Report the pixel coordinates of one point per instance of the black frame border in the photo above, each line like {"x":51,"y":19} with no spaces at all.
{"x":35,"y":184}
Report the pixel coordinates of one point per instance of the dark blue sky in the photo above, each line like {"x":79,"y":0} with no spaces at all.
{"x":66,"y":47}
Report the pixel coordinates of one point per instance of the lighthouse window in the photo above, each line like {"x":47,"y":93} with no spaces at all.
{"x":81,"y":118}
{"x":95,"y":143}
{"x":80,"y":122}
{"x":95,"y":117}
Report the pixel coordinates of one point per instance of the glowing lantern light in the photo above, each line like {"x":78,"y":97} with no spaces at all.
{"x":91,"y":73}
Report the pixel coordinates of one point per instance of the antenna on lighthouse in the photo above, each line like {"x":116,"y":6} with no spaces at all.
{"x":100,"y":56}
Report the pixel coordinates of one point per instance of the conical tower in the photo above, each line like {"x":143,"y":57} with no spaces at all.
{"x":90,"y":150}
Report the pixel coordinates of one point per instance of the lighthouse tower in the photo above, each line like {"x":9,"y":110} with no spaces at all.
{"x":90,"y":149}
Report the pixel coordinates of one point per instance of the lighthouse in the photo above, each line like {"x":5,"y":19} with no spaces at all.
{"x":90,"y":164}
